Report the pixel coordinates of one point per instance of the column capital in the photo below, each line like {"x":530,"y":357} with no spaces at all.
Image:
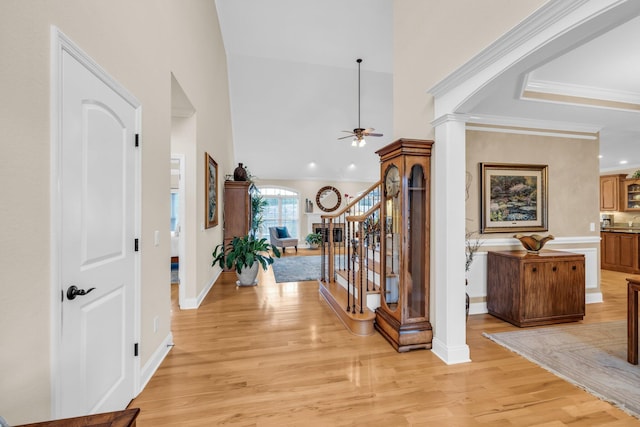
{"x":451,"y":117}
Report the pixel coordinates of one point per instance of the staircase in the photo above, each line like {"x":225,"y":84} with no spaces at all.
{"x":350,"y":261}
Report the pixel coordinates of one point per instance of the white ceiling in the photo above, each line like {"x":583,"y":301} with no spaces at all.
{"x":294,"y":88}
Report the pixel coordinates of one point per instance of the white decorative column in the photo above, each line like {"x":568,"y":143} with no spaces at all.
{"x":448,"y":240}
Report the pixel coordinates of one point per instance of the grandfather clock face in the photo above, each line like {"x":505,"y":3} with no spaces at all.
{"x":392,"y":181}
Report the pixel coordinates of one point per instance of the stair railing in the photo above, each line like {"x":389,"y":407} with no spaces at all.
{"x":344,"y":235}
{"x":366,"y":242}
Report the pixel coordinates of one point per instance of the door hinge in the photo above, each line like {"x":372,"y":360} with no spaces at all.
{"x":137,"y":141}
{"x":135,"y":245}
{"x":135,"y":349}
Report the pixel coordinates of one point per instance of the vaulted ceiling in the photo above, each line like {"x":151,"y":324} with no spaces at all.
{"x":294,"y":87}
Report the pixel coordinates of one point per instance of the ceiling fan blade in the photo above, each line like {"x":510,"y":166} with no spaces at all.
{"x":373,"y":134}
{"x":345,"y":137}
{"x":348,"y":131}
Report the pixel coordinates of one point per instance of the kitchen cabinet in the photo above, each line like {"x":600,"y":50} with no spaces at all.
{"x":619,"y":252}
{"x":610,"y":192}
{"x":631,"y":195}
{"x":529,"y":290}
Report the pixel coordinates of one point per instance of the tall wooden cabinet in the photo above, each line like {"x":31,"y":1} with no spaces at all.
{"x":529,"y":290}
{"x":237,"y":209}
{"x":403,"y":315}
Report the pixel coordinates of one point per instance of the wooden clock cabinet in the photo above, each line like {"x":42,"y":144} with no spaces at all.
{"x":403,"y":315}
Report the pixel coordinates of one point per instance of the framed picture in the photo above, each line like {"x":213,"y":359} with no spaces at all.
{"x":513,"y":197}
{"x":210,"y":192}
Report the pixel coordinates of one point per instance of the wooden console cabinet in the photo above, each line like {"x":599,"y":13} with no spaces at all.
{"x":529,"y":290}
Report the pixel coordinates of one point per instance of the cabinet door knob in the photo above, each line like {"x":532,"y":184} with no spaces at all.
{"x":534,"y":269}
{"x":574,"y":267}
{"x":554,"y":268}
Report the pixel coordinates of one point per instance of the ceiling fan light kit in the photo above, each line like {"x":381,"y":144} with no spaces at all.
{"x":359,"y":133}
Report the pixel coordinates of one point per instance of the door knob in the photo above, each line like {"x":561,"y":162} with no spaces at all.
{"x":73,"y":292}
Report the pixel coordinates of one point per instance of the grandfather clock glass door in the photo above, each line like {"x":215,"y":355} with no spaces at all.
{"x":416,"y":246}
{"x":403,"y":315}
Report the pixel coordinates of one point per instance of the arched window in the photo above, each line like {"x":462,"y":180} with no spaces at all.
{"x":282,"y":209}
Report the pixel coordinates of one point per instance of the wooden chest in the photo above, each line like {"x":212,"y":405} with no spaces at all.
{"x":528,"y":290}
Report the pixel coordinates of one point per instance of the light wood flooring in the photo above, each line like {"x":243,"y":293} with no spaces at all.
{"x":276,"y":355}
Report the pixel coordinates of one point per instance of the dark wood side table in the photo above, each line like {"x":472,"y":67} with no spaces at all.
{"x":633,"y":287}
{"x":126,"y":418}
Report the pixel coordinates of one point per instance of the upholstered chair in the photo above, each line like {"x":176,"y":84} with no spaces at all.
{"x":281,"y":238}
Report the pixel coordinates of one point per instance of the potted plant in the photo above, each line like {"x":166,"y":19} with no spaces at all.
{"x":258,"y":203}
{"x":314,"y":240}
{"x":244,"y":254}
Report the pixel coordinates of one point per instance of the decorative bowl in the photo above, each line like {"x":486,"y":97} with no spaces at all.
{"x":534,"y":242}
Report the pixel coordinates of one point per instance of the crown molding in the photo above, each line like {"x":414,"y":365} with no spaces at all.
{"x":580,"y":91}
{"x":531,"y":126}
{"x":520,"y":125}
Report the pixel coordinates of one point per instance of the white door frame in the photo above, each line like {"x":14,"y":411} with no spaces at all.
{"x":182,"y":269}
{"x":61,"y":43}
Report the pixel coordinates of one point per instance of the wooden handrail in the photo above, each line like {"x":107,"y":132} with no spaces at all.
{"x":360,"y":218}
{"x":353,"y":202}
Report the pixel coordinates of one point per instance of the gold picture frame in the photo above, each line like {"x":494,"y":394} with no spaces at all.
{"x":513,"y":197}
{"x":210,"y":192}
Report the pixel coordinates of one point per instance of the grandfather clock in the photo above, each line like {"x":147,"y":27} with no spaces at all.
{"x":403,"y":315}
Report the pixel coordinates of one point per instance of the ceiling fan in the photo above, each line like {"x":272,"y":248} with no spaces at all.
{"x":359,"y":133}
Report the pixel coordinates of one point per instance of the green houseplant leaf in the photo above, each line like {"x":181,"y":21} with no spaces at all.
{"x":242,"y":252}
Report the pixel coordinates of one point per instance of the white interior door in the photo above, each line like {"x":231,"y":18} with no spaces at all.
{"x":98,"y":173}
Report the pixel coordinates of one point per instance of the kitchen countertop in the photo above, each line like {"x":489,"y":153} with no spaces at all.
{"x":633,"y":230}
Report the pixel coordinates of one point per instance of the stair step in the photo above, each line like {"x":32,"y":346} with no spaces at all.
{"x":373,"y":287}
{"x":357,"y":323}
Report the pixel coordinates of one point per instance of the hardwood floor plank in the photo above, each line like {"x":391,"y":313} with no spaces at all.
{"x":276,"y":355}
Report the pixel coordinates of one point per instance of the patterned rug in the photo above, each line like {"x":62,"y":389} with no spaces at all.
{"x":296,"y":269}
{"x":591,"y":356}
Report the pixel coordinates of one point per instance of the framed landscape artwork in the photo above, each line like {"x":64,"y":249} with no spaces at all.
{"x":513,"y":197}
{"x":210,"y":192}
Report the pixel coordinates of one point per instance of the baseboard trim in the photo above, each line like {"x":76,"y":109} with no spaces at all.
{"x":593,"y":298}
{"x":194,"y":303}
{"x":155,"y":360}
{"x":450,"y":355}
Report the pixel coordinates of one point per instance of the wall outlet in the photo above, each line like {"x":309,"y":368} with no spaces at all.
{"x":592,"y":226}
{"x":156,"y":237}
{"x":155,"y":324}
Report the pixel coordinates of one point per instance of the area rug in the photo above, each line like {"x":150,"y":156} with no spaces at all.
{"x":296,"y":269}
{"x":591,"y":356}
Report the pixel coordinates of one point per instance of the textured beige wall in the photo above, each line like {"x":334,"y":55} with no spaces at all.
{"x":137,"y":43}
{"x":432,"y":38}
{"x":198,"y":61}
{"x":573,"y":180}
